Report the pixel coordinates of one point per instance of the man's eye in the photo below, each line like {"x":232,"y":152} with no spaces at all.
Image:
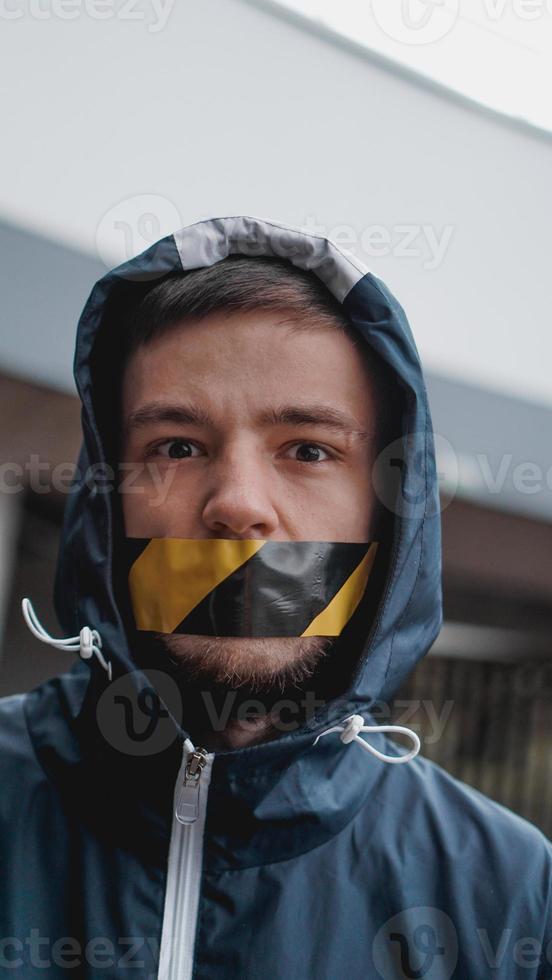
{"x":309,"y":452}
{"x":176,"y":449}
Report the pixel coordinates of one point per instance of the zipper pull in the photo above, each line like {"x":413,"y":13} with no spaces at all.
{"x":187,"y":807}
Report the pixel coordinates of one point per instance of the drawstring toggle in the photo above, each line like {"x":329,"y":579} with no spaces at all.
{"x":87,"y":644}
{"x":350,"y":730}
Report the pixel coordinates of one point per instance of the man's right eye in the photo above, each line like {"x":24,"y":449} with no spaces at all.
{"x":175,"y":449}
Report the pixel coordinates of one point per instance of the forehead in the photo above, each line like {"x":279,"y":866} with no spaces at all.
{"x":247,"y":359}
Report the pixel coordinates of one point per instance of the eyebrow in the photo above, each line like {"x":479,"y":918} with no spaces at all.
{"x":321,"y":415}
{"x":325,"y":416}
{"x":155,"y":413}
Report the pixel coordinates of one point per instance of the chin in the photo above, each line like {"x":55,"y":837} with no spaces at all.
{"x":258,"y":663}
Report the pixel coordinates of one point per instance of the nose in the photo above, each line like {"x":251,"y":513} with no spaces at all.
{"x":239,"y":503}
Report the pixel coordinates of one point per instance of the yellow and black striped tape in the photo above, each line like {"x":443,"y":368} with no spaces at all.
{"x":223,"y":587}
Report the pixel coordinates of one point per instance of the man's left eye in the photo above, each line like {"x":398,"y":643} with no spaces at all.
{"x":308,"y":452}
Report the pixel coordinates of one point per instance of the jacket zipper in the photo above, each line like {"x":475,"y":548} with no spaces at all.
{"x":184,"y":865}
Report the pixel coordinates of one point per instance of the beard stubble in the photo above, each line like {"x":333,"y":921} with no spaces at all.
{"x":260,"y":664}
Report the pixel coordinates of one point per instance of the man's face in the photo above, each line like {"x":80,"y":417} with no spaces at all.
{"x":249,"y":428}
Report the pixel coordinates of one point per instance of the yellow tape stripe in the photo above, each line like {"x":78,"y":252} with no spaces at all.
{"x":172,"y":575}
{"x":338,"y":612}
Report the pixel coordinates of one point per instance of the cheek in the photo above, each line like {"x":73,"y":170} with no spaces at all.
{"x":158,"y":506}
{"x":340,"y":507}
{"x":141,"y":519}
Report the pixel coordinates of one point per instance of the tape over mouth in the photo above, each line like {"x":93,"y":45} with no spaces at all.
{"x":227,"y":587}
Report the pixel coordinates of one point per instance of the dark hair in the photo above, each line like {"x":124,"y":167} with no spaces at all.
{"x":237,"y":283}
{"x":240,"y":283}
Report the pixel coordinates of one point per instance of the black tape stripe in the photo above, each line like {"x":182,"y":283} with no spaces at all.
{"x":253,"y":602}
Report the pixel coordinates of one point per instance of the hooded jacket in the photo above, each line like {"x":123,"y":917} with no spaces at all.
{"x":306,"y":857}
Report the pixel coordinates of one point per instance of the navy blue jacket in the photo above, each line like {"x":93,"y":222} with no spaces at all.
{"x":310,"y":861}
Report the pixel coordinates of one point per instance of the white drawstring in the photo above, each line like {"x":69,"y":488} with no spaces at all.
{"x":88,"y":643}
{"x":351,"y":727}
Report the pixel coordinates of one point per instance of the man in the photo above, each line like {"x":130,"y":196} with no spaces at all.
{"x":273,"y":435}
{"x":250,"y":560}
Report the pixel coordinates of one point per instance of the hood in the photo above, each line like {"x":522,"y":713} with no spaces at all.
{"x":388,"y":641}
